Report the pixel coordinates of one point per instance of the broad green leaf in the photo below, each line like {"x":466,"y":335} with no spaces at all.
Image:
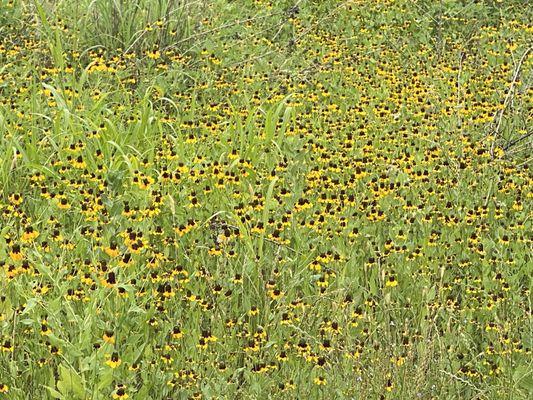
{"x":70,"y":383}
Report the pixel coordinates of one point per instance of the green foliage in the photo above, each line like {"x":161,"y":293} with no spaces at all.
{"x":258,"y":199}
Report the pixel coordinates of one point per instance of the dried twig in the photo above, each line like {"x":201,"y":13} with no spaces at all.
{"x":512,"y":143}
{"x":458,"y":378}
{"x":499,"y":118}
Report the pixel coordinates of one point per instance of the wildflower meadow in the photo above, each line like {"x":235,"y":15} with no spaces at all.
{"x":253,"y":199}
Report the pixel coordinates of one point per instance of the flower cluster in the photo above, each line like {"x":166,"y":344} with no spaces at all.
{"x":325,"y":218}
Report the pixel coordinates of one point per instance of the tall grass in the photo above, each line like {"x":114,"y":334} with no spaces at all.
{"x":129,"y":25}
{"x":137,"y":23}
